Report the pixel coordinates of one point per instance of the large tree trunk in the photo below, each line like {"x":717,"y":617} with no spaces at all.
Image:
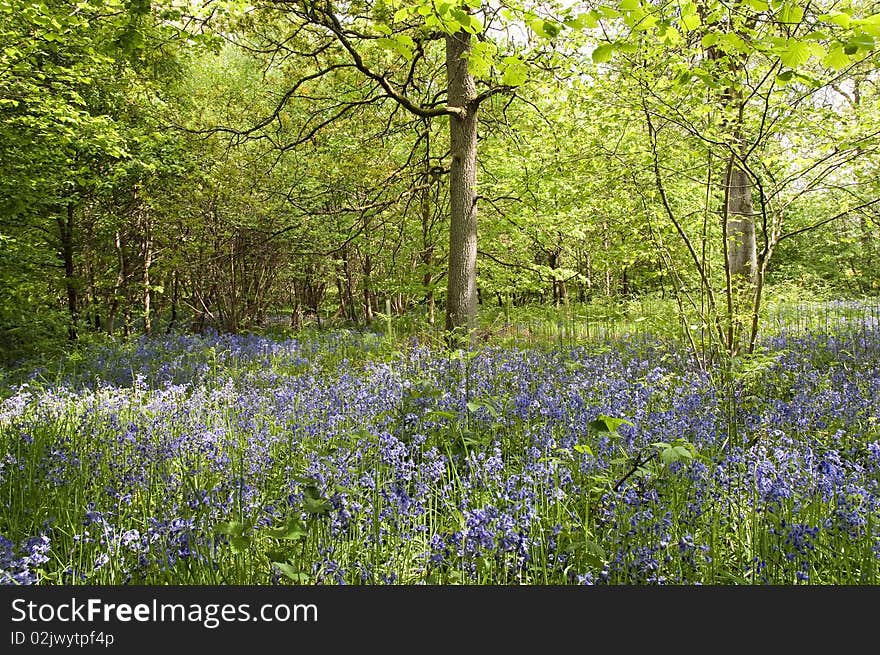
{"x":461,"y":279}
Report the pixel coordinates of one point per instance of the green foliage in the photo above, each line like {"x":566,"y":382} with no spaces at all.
{"x":274,"y":189}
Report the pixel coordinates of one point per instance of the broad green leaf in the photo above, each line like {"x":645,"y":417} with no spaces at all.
{"x":758,"y":5}
{"x":587,"y":20}
{"x":291,"y":531}
{"x":683,"y":453}
{"x":481,"y":58}
{"x":402,"y":44}
{"x":551,"y":29}
{"x":836,"y":59}
{"x":634,"y":17}
{"x":671,"y":36}
{"x":386,"y":43}
{"x":870,"y":25}
{"x":239,"y":544}
{"x":291,"y":572}
{"x":441,"y":414}
{"x":784,"y":77}
{"x":791,"y":14}
{"x":316,"y":506}
{"x":646,"y":23}
{"x":629,"y":5}
{"x":232,"y":528}
{"x":843,"y":19}
{"x":861,"y":41}
{"x":732,"y":43}
{"x":709,"y":40}
{"x":466,"y":21}
{"x":817,"y":50}
{"x":515,"y":72}
{"x":608,"y":423}
{"x":690,"y":22}
{"x":603,"y":53}
{"x":796,"y":53}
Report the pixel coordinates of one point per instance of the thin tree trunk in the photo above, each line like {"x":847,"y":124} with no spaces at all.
{"x":349,"y":287}
{"x":368,"y":292}
{"x":427,"y":254}
{"x":121,"y":276}
{"x":742,"y":255}
{"x":148,"y":261}
{"x":65,"y":233}
{"x":461,"y":279}
{"x":175,"y":293}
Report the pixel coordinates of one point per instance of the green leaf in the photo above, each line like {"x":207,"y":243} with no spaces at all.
{"x":603,"y":53}
{"x":316,"y":506}
{"x":785,"y":77}
{"x":583,"y":449}
{"x":481,"y":58}
{"x":291,"y":572}
{"x":683,"y":452}
{"x":232,"y":528}
{"x":758,"y":5}
{"x":870,"y":25}
{"x":861,"y":41}
{"x":515,"y":72}
{"x":817,"y":50}
{"x":402,"y":44}
{"x":836,"y":59}
{"x":239,"y":544}
{"x":587,"y":20}
{"x":732,"y":43}
{"x":551,"y":29}
{"x":594,"y":554}
{"x":796,"y":53}
{"x":473,"y":407}
{"x":608,"y":424}
{"x":629,"y":5}
{"x":293,"y":530}
{"x":791,"y":14}
{"x":842,"y":19}
{"x":386,"y":43}
{"x":690,"y":22}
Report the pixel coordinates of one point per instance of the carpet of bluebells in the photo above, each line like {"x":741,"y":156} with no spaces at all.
{"x":344,"y":459}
